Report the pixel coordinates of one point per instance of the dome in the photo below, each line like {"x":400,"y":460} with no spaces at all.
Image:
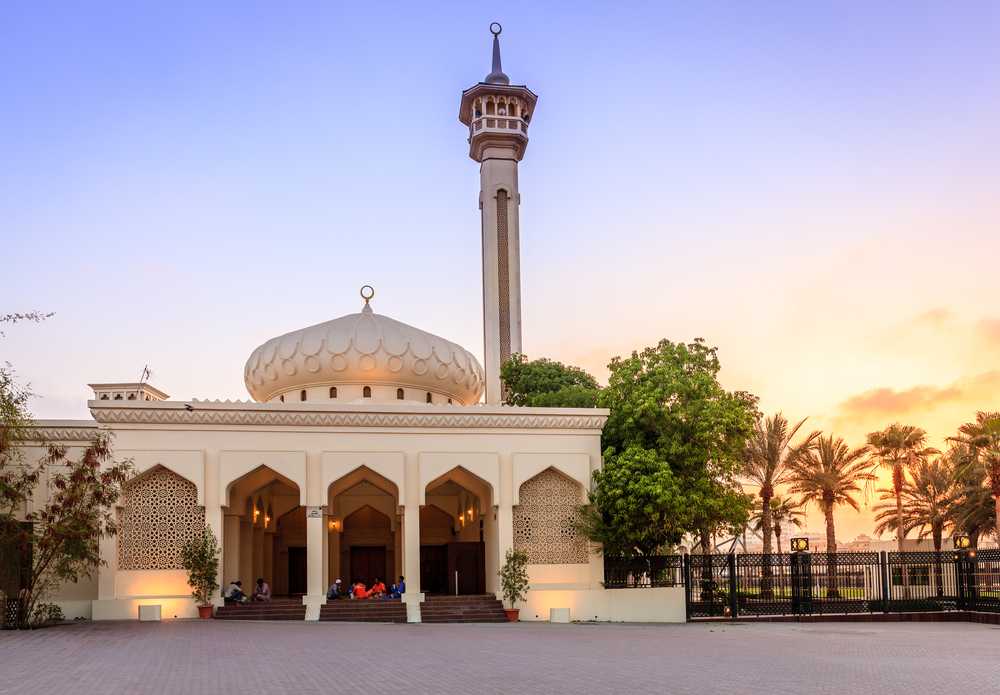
{"x":363,"y":356}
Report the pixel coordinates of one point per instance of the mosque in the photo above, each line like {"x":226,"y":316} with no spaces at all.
{"x":370,"y":448}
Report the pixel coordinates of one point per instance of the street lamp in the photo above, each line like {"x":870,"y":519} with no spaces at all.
{"x":800,"y":544}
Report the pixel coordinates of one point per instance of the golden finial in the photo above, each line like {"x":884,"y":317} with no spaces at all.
{"x":367,"y":293}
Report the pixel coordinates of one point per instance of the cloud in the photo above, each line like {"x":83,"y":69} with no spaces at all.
{"x":889,"y":402}
{"x":989,"y":329}
{"x":980,"y":390}
{"x":937,"y":317}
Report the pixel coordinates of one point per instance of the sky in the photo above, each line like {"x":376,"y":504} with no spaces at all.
{"x":812,"y":187}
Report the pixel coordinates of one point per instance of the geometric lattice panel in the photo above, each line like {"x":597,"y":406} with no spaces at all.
{"x":543,"y":522}
{"x":160,"y":515}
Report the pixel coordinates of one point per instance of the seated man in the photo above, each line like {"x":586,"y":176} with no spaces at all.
{"x":262,"y":592}
{"x":336,"y":591}
{"x":234,"y":593}
{"x":360,"y":591}
{"x":399,"y":588}
{"x":377,"y":590}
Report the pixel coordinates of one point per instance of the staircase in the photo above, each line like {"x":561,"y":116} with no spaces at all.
{"x":276,"y":609}
{"x":364,"y":611}
{"x":478,"y":608}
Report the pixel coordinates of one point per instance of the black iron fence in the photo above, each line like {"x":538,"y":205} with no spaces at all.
{"x":754,"y":584}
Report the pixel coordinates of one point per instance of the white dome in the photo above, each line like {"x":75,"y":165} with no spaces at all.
{"x":364,"y":350}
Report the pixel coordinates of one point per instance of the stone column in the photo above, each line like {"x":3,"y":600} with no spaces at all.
{"x":230,"y":548}
{"x":213,"y":520}
{"x":213,"y":517}
{"x":411,"y":539}
{"x":104,"y":608}
{"x":505,"y":511}
{"x":315,"y":591}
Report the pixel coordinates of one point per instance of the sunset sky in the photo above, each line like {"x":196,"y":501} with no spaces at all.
{"x":813,"y":188}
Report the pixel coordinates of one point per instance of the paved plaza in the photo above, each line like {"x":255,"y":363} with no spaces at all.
{"x":237,"y":657}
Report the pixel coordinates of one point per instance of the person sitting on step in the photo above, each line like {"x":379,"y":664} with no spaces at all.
{"x":360,"y":592}
{"x":336,"y":591}
{"x":377,"y":590}
{"x":234,"y":592}
{"x":262,"y":592}
{"x":399,"y":588}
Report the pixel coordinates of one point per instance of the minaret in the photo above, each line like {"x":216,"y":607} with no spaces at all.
{"x":497,"y":115}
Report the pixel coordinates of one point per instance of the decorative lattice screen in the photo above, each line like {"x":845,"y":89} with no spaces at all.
{"x":160,"y":515}
{"x":543,"y":522}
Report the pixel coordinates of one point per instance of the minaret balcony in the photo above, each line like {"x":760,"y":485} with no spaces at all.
{"x":497,"y":124}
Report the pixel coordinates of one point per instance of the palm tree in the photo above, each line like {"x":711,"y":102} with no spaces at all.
{"x":898,"y":448}
{"x":766,"y":458}
{"x":784,"y":510}
{"x":982,"y":441}
{"x":828,"y":474}
{"x":927,"y":505}
{"x":972,"y":507}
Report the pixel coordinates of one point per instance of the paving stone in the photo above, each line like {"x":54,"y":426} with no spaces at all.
{"x":218,"y":657}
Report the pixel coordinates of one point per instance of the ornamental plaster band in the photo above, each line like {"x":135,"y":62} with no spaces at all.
{"x":366,"y":450}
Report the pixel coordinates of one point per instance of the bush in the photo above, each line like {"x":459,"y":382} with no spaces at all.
{"x":514,"y":577}
{"x":200,"y":557}
{"x":46,"y":614}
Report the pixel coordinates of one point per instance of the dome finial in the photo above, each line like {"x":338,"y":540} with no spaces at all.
{"x":497,"y":76}
{"x":367,"y":293}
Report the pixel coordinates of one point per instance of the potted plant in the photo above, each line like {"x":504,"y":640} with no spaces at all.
{"x":514,"y":581}
{"x":200,"y":557}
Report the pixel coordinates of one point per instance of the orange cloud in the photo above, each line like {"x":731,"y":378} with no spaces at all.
{"x":990,"y":330}
{"x":936,"y":317}
{"x":888,"y":402}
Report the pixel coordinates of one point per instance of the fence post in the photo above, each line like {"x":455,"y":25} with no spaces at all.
{"x":883,"y":570}
{"x":960,"y":602}
{"x":733,"y":598}
{"x":686,"y":565}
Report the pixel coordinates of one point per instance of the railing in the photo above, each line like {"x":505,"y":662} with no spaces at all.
{"x":498,"y":123}
{"x":754,"y":584}
{"x":643,"y":572}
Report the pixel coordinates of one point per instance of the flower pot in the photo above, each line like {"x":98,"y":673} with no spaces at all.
{"x":205,"y":611}
{"x":511,"y":614}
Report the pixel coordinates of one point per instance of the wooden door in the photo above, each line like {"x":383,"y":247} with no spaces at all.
{"x":367,"y":564}
{"x":296,"y":571}
{"x":469,"y":561}
{"x":434,"y":569}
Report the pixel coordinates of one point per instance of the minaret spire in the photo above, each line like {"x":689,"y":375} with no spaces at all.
{"x":497,"y":75}
{"x":497,"y":115}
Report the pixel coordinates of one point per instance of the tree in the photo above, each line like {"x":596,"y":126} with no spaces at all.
{"x":636,"y":506}
{"x":546,"y":383}
{"x":927,"y":503}
{"x":514,"y":577}
{"x":64,"y":533}
{"x":58,"y":541}
{"x":673,"y":445}
{"x":200,"y":557}
{"x":926,"y":497}
{"x":827,"y":474}
{"x":783,"y":511}
{"x":766,"y":457}
{"x":971,"y":508}
{"x":899,"y":448}
{"x":982,"y":441}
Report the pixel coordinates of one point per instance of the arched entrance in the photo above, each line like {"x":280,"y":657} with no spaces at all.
{"x":456,"y":526}
{"x":364,"y":540}
{"x":264,"y":533}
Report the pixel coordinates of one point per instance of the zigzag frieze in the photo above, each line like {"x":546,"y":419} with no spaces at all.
{"x":60,"y":434}
{"x":309,"y":419}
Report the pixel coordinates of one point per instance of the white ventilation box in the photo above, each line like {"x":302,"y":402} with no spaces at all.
{"x":150,"y":613}
{"x":559,"y":615}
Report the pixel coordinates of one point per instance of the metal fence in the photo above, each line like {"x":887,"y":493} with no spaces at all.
{"x":754,"y":584}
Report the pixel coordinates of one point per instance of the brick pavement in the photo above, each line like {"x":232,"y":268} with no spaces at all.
{"x":219,"y":657}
